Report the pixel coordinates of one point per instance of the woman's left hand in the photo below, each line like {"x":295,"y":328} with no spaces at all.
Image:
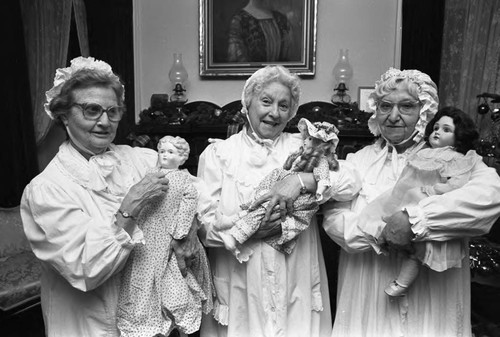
{"x":282,"y":195}
{"x":269,"y":228}
{"x":186,"y":249}
{"x":397,"y":233}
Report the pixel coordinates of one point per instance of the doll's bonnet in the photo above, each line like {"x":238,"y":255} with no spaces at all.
{"x":323,"y":131}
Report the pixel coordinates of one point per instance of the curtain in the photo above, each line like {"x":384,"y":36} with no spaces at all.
{"x":470,"y":63}
{"x":421,"y":38}
{"x":18,"y":157}
{"x":46,"y":29}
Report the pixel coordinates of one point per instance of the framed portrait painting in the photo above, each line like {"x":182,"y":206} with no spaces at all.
{"x":238,"y":37}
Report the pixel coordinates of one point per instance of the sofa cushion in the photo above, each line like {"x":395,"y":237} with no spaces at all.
{"x":19,"y":279}
{"x":13,"y":240}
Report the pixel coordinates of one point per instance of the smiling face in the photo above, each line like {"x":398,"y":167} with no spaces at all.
{"x":269,"y":110}
{"x":91,"y":135}
{"x":169,"y":156}
{"x":443,"y":133}
{"x":396,"y":126}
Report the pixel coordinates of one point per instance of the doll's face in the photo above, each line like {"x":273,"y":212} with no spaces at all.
{"x":443,"y":133}
{"x":169,"y":156}
{"x":308,"y":142}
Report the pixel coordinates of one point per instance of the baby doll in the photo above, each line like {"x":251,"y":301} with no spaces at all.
{"x":154,"y":297}
{"x":316,"y":155}
{"x":440,"y":168}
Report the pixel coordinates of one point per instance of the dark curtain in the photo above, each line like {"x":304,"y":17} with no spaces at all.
{"x":110,"y":30}
{"x":18,"y":154}
{"x":422,"y":36}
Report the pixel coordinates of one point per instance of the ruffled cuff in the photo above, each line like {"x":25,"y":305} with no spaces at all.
{"x":126,"y":240}
{"x":317,"y":301}
{"x":241,"y":231}
{"x":418,"y":222}
{"x":221,"y":313}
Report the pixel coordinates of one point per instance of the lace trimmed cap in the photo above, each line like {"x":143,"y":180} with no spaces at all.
{"x":64,"y":74}
{"x":427,"y":95}
{"x":320,"y":130}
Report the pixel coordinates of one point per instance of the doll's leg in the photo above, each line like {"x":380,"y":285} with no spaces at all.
{"x":229,"y":241}
{"x":407,"y":274}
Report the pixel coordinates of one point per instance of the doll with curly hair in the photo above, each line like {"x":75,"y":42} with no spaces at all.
{"x":160,"y":293}
{"x":316,"y":155}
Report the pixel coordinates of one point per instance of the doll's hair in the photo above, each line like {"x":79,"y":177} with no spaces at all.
{"x":179,"y":143}
{"x":310,"y":158}
{"x":466,"y":134}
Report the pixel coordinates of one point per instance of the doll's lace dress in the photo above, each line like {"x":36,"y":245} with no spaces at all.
{"x":424,"y":170}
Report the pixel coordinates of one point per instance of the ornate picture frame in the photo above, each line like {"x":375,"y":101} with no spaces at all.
{"x":225,"y":32}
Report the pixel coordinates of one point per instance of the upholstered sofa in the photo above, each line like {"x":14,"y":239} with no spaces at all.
{"x":19,"y":268}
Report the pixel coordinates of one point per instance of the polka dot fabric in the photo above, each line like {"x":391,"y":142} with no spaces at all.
{"x":154,"y":296}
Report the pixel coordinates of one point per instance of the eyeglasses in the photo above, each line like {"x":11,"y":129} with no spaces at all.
{"x":94,"y":111}
{"x":405,"y":108}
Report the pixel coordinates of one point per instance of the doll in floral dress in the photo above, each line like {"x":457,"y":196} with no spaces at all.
{"x":155,"y":297}
{"x":317,"y":155}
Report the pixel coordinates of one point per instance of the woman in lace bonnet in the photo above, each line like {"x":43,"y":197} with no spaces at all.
{"x":79,"y":214}
{"x":437,"y":303}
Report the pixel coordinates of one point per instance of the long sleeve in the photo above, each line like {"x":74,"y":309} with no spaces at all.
{"x":341,"y":220}
{"x":468,"y":211}
{"x":86,"y":250}
{"x":345,"y":183}
{"x":210,"y":173}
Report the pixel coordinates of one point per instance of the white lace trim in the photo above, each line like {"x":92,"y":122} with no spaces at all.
{"x":447,"y":161}
{"x":221,"y":313}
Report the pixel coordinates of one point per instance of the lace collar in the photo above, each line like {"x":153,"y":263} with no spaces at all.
{"x":109,"y":172}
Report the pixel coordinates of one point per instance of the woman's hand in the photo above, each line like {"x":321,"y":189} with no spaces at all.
{"x":268,"y":228}
{"x":397,"y":233}
{"x":186,"y":249}
{"x":281,"y":195}
{"x":150,"y":187}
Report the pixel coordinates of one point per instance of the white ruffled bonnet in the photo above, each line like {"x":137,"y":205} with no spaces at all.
{"x":427,"y":95}
{"x":324,"y":131}
{"x":64,"y":74}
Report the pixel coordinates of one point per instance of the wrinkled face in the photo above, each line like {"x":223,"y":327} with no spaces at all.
{"x":169,"y":156}
{"x":269,"y":111}
{"x":398,"y":123}
{"x":93,"y":135}
{"x":443,"y":133}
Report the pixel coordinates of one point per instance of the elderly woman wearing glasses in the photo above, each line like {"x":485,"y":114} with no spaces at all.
{"x":438,"y":303}
{"x":80,"y":213}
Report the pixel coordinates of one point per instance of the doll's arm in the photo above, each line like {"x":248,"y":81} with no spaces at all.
{"x":322,"y":176}
{"x":451,"y":184}
{"x":187,"y":207}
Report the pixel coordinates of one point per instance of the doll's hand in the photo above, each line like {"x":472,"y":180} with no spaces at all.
{"x":186,"y":249}
{"x":223,"y":222}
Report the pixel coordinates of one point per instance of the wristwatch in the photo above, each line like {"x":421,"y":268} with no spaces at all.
{"x":126,"y":214}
